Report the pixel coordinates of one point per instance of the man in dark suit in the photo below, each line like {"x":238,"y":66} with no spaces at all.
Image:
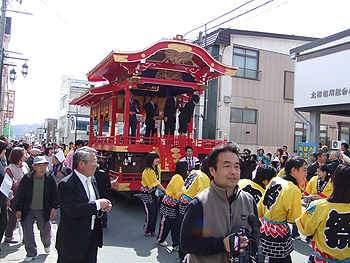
{"x":152,"y":114}
{"x":170,"y":107}
{"x":321,"y":159}
{"x":79,"y":232}
{"x":134,"y":109}
{"x":334,"y":158}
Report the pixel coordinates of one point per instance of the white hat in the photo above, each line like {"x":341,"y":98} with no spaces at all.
{"x":40,"y":160}
{"x":35,"y":151}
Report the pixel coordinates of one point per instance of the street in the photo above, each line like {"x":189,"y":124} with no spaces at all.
{"x":124,"y":240}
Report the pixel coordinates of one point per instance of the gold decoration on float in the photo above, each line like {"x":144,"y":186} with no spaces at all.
{"x":180,"y":48}
{"x":176,"y":154}
{"x":120,"y":58}
{"x":230,"y":72}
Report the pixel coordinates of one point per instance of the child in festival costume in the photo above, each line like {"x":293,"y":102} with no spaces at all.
{"x":328,"y":220}
{"x":196,"y":182}
{"x":169,"y":208}
{"x":150,"y":185}
{"x":280,"y":205}
{"x":320,"y":186}
{"x":257,"y":186}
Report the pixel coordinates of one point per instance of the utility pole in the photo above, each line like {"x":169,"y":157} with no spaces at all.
{"x":2,"y":55}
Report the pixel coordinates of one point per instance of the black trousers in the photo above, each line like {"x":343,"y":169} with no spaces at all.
{"x":3,"y":219}
{"x":150,"y":131}
{"x":132,"y":127}
{"x":170,"y":127}
{"x":167,"y":224}
{"x":151,"y":210}
{"x":287,"y":259}
{"x":91,"y":256}
{"x":104,"y":220}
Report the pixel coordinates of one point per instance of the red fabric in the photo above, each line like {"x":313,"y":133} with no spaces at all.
{"x":274,"y":229}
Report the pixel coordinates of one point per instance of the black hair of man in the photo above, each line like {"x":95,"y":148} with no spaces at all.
{"x":346,"y":146}
{"x":319,"y":153}
{"x":295,"y":162}
{"x":195,"y":98}
{"x":269,"y":154}
{"x":79,"y":143}
{"x":188,"y":147}
{"x":264,"y":172}
{"x":214,"y":154}
{"x":247,"y":150}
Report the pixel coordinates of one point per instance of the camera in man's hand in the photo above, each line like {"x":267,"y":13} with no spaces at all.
{"x":251,"y":253}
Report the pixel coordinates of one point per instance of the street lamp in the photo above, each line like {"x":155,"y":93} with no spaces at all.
{"x":13,"y":75}
{"x":24,"y":69}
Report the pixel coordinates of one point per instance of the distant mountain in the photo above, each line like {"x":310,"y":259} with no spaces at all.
{"x":18,"y":131}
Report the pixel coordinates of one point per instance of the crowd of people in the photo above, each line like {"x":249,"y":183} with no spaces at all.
{"x":201,"y":205}
{"x":211,"y":208}
{"x":36,"y":180}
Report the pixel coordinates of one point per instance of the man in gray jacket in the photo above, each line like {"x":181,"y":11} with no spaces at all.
{"x":209,"y":218}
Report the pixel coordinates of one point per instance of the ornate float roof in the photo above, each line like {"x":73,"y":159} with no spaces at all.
{"x":170,"y":55}
{"x":167,"y":67}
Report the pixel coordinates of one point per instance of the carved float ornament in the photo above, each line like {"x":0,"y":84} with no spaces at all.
{"x":122,"y":77}
{"x":169,"y":75}
{"x":178,"y":58}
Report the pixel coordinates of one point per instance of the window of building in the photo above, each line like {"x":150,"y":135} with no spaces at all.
{"x":344,"y":132}
{"x":300,"y":134}
{"x":247,"y":61}
{"x":288,"y":85}
{"x":82,"y":125}
{"x":63,"y":102}
{"x":240,"y":115}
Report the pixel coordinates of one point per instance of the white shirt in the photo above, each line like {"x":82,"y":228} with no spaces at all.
{"x":83,"y":178}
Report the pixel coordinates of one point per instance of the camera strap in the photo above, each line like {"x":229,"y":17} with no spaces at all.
{"x":235,"y":245}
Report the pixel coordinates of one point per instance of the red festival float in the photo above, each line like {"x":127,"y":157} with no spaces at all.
{"x":166,"y":68}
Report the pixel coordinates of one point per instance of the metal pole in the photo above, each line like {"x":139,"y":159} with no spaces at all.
{"x":2,"y":36}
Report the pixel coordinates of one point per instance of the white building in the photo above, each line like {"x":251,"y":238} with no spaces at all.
{"x":322,"y":83}
{"x":73,"y":120}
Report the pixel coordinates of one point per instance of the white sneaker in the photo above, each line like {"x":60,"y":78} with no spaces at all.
{"x":29,"y":259}
{"x":47,"y":249}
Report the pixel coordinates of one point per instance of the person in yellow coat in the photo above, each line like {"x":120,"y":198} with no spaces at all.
{"x":195,"y":183}
{"x":169,"y":208}
{"x":280,"y":205}
{"x":150,"y":192}
{"x":328,"y":220}
{"x":320,"y":186}
{"x":256,"y":187}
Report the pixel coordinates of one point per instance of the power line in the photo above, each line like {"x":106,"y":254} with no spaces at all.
{"x":220,"y":16}
{"x":257,"y":7}
{"x":69,"y":24}
{"x":268,"y":10}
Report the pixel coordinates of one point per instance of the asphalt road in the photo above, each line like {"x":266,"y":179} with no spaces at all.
{"x":124,"y":240}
